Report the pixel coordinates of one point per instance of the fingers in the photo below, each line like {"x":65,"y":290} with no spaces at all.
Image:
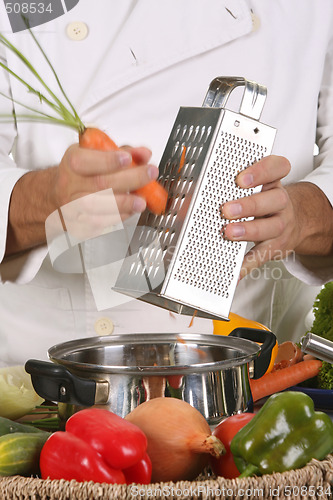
{"x":130,"y":179}
{"x":267,"y":209}
{"x":130,"y":204}
{"x":257,"y":205}
{"x":88,"y":162}
{"x":269,"y":169}
{"x":83,"y":171}
{"x":140,"y":155}
{"x":96,"y":214}
{"x":272,"y":225}
{"x":256,"y":230}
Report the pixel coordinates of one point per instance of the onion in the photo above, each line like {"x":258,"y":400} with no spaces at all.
{"x":17,"y":395}
{"x":180,"y":441}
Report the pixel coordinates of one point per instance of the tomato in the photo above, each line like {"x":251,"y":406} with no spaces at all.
{"x":225,"y":431}
{"x":175,"y":381}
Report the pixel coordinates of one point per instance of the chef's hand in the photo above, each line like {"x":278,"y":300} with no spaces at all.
{"x":106,"y":176}
{"x":296,"y":218}
{"x":83,"y":171}
{"x":95,"y":189}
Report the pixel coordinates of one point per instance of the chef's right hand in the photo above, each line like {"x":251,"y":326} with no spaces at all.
{"x":95,"y":189}
{"x":84,"y":171}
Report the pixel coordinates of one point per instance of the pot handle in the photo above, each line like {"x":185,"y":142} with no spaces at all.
{"x":54,"y":382}
{"x":268,"y":341}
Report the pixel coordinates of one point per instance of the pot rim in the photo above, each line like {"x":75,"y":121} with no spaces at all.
{"x":58,"y":353}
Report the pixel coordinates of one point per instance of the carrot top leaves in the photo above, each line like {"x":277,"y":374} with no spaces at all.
{"x":64,"y":110}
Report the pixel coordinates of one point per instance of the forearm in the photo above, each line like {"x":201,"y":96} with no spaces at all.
{"x":30,"y":206}
{"x":314,"y":219}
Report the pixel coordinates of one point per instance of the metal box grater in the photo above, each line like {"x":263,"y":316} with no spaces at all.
{"x":180,"y":260}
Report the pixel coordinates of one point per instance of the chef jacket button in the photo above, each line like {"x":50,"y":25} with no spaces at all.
{"x":255,"y":22}
{"x":77,"y":31}
{"x":103,"y":326}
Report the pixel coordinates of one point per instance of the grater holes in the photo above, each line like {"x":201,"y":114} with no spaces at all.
{"x":165,"y":169}
{"x":207,"y":134}
{"x":196,"y":132}
{"x":189,"y":133}
{"x":215,"y":268}
{"x":198,"y":153}
{"x":176,"y":132}
{"x":188,"y":170}
{"x":175,"y":148}
{"x":183,"y":131}
{"x":202,"y":133}
{"x":192,"y":152}
{"x":188,"y":153}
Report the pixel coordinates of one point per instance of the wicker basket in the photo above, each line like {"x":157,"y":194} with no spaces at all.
{"x":312,"y":481}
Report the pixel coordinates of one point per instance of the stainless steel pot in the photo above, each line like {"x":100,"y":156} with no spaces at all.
{"x":119,"y":372}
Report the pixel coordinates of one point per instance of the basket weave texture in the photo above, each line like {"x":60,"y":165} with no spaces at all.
{"x":314,"y":481}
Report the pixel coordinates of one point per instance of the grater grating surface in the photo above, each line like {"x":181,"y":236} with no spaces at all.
{"x":180,"y":260}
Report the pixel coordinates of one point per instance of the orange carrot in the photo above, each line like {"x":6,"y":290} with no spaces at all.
{"x":283,"y":379}
{"x":154,"y":194}
{"x":182,"y":159}
{"x":201,"y":352}
{"x":192,"y":320}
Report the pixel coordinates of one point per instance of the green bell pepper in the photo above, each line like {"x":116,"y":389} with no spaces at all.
{"x":285,"y":434}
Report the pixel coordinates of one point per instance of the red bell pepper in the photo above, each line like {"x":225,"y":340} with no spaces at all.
{"x":65,"y":456}
{"x":121,"y":443}
{"x":97,"y":445}
{"x":140,"y":472}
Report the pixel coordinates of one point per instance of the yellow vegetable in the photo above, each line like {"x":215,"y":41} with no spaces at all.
{"x":236,"y":321}
{"x":17,"y":395}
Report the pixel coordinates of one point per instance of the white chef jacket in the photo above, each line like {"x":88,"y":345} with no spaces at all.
{"x":135,"y":65}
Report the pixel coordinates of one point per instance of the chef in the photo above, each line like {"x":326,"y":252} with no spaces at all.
{"x":127,"y":67}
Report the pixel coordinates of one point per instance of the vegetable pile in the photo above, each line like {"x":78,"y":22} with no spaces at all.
{"x":166,"y":439}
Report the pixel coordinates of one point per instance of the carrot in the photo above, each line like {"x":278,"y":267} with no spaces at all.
{"x":154,"y":194}
{"x":182,"y":159}
{"x":201,"y":352}
{"x":283,"y":379}
{"x":192,"y":320}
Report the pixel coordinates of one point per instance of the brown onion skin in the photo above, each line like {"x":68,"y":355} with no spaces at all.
{"x":180,"y":441}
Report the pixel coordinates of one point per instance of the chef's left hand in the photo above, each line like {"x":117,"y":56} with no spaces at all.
{"x":283,"y":216}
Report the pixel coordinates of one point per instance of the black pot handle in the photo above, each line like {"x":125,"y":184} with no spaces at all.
{"x":268,"y":341}
{"x":54,"y":382}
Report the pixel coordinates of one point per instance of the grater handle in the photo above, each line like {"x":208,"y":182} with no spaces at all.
{"x":253,"y":100}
